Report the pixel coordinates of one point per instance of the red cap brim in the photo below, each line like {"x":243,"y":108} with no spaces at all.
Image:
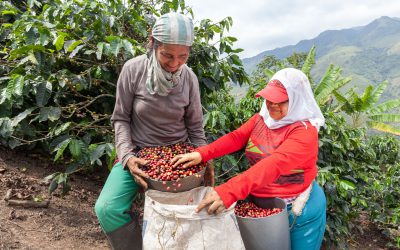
{"x":273,"y":94}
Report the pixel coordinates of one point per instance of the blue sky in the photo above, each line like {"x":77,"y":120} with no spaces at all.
{"x":268,"y":24}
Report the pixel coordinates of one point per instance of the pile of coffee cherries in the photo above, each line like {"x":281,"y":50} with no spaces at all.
{"x":159,"y":167}
{"x":249,"y":209}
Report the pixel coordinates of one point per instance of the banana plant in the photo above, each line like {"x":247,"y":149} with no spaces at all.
{"x":365,"y":110}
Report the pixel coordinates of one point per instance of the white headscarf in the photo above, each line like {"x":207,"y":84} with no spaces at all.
{"x":302,"y":104}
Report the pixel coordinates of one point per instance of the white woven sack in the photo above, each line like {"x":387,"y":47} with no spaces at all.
{"x":170,"y":222}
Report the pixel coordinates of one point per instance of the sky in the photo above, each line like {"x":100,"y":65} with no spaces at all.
{"x":263,"y":25}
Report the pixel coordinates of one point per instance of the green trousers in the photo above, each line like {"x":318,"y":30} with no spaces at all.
{"x":115,"y":200}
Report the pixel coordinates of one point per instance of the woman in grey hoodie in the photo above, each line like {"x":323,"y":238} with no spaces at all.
{"x":157,"y":103}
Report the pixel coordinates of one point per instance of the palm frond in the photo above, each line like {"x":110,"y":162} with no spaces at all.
{"x":383,"y":127}
{"x":378,"y":92}
{"x":329,"y":76}
{"x":385,"y":117}
{"x":383,"y":107}
{"x":330,"y":81}
{"x":309,"y":62}
{"x":343,"y":102}
{"x":366,"y":100}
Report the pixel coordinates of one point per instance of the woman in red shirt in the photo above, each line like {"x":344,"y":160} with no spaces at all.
{"x":282,"y":146}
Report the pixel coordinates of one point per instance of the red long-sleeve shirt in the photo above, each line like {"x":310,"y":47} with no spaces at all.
{"x":283,"y":160}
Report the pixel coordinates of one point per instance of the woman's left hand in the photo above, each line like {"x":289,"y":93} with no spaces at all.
{"x":212,"y":199}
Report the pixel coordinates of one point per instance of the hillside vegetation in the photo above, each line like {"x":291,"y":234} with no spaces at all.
{"x":370,"y":54}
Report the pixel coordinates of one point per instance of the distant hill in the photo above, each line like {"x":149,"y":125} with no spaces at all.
{"x":369,"y":54}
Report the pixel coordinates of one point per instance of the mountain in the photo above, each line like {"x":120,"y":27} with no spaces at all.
{"x":369,"y":54}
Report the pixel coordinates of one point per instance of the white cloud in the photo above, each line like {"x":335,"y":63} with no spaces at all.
{"x":261,"y":25}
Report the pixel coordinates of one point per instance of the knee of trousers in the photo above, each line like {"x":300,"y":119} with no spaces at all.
{"x":107,"y":211}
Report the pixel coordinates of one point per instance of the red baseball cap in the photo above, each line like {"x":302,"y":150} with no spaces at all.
{"x":274,"y":92}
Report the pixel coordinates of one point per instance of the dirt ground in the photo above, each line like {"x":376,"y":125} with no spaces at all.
{"x":69,"y":222}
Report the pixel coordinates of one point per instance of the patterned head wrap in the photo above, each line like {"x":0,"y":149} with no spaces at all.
{"x":174,"y":28}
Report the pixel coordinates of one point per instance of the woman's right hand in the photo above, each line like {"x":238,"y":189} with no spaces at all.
{"x":188,"y":160}
{"x":137,"y":174}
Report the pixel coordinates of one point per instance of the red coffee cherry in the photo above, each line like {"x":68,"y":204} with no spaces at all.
{"x":159,"y":167}
{"x":249,"y":209}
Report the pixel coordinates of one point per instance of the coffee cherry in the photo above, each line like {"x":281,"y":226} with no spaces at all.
{"x":249,"y":209}
{"x":159,"y":157}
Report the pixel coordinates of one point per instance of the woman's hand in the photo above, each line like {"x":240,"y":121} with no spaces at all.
{"x":212,"y":199}
{"x":188,"y":160}
{"x":137,"y":174}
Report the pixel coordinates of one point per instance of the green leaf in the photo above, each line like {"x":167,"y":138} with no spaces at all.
{"x":25,"y":50}
{"x":98,"y":162}
{"x":383,"y":127}
{"x":99,"y":52}
{"x":232,"y":160}
{"x":96,"y":153}
{"x":60,"y":148}
{"x":347,"y":185}
{"x":32,"y":3}
{"x":6,"y":25}
{"x":50,"y":177}
{"x":385,"y":117}
{"x":309,"y":61}
{"x":128,"y":47}
{"x":21,"y":116}
{"x":72,"y":168}
{"x":43,"y":92}
{"x":236,"y":60}
{"x":53,"y":185}
{"x":62,"y":128}
{"x":115,"y":46}
{"x":31,"y":58}
{"x":206,"y":117}
{"x":112,"y":38}
{"x":383,"y":107}
{"x":76,"y":50}
{"x":49,"y":113}
{"x":44,"y":37}
{"x":19,"y":85}
{"x":5,"y":127}
{"x":221,"y":119}
{"x":10,"y":89}
{"x":30,"y":34}
{"x":70,"y":45}
{"x":9,"y":12}
{"x":75,"y":148}
{"x":330,"y":81}
{"x":377,"y":92}
{"x":66,"y":187}
{"x":111,"y":158}
{"x":59,"y":42}
{"x":210,"y":83}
